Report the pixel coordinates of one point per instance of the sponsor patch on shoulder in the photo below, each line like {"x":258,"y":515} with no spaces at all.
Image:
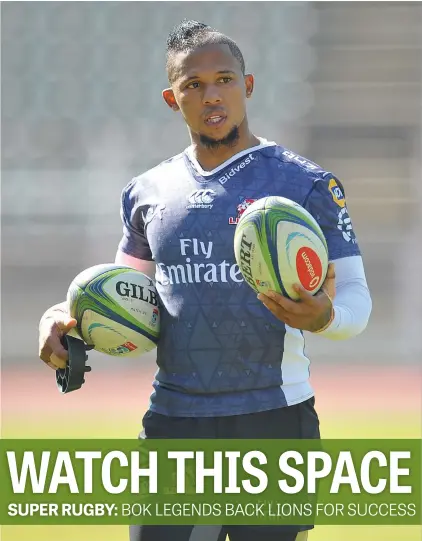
{"x":336,"y":193}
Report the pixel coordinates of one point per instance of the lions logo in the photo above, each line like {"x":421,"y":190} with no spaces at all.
{"x":243,"y":206}
{"x":240,"y":210}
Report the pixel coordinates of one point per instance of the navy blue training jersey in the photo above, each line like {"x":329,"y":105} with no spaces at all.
{"x":221,"y":352}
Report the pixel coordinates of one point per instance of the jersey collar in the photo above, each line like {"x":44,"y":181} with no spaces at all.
{"x":189,"y":153}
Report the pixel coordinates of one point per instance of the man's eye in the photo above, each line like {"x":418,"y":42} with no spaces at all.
{"x":226,"y":79}
{"x":195,"y":84}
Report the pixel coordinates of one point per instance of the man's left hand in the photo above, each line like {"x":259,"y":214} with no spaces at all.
{"x":309,"y":312}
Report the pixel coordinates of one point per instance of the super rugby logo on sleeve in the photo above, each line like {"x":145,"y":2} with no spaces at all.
{"x":344,"y":224}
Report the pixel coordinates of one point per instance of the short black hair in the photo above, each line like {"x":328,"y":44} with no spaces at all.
{"x":189,"y":35}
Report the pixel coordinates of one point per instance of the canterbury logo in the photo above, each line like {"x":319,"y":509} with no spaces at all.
{"x":201,"y":199}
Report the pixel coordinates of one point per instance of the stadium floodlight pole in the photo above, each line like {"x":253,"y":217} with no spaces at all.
{"x":72,"y":377}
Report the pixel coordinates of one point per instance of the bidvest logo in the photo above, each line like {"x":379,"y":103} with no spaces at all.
{"x":227,"y":176}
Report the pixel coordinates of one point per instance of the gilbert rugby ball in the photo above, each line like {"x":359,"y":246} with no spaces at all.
{"x":116,"y":309}
{"x":277,"y":244}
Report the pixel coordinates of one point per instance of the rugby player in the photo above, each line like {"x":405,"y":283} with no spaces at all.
{"x":230,"y":365}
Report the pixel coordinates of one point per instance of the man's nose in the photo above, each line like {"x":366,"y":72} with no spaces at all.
{"x":211,"y":95}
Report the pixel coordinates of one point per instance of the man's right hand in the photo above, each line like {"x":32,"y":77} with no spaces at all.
{"x":54,"y":324}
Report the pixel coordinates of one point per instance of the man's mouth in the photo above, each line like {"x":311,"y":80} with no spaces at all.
{"x":215,"y":120}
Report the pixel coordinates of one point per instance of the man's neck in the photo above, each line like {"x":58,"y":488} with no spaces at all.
{"x":209,"y":159}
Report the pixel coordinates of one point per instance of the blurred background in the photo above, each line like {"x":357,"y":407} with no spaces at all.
{"x":82,"y":113}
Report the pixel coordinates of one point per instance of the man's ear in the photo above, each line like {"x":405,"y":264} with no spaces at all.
{"x":249,"y":84}
{"x":169,"y":98}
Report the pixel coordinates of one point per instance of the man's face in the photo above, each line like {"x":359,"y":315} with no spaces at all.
{"x":210,"y":91}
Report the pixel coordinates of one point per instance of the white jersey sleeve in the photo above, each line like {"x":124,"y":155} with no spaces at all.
{"x":352,"y":303}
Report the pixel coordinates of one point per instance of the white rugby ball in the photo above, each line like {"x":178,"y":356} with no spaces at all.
{"x":116,"y":308}
{"x":277,"y":244}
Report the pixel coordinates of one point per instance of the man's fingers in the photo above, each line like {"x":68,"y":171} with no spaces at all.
{"x":53,"y":361}
{"x":288,"y":305}
{"x":56,"y":362}
{"x":331,"y":271}
{"x":57,"y":349}
{"x":304,"y":296}
{"x":52,"y":329}
{"x":268,"y":302}
{"x":51,"y":365}
{"x":274,"y":307}
{"x":66,"y":324}
{"x":44,"y":353}
{"x":54,"y":342}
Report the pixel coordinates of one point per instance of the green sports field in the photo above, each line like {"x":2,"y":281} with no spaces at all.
{"x":111,"y":404}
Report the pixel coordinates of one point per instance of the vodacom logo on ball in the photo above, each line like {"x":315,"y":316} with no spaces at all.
{"x":309,"y":268}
